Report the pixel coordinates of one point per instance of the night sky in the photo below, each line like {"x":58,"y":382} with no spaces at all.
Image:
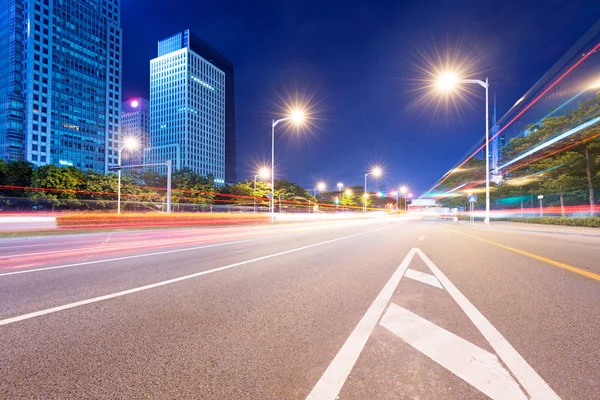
{"x":359,"y":63}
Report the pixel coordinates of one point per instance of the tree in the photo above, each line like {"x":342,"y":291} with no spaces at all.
{"x":191,"y":187}
{"x":63,"y":184}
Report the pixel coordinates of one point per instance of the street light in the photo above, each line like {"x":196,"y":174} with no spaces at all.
{"x":321,"y":186}
{"x":340,"y":185}
{"x":264,"y":174}
{"x":296,"y":116}
{"x":446,"y":82}
{"x":404,"y":190}
{"x":129,"y":143}
{"x":376,"y":172}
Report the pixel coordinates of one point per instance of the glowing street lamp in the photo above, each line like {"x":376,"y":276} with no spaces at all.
{"x":263,"y":173}
{"x":446,"y":82}
{"x":129,"y":143}
{"x":376,"y":172}
{"x":321,"y":186}
{"x":297,"y":117}
{"x":340,"y":185}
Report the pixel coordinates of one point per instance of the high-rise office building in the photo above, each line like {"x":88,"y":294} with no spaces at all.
{"x":189,"y":114}
{"x":60,"y":89}
{"x":135,"y":123}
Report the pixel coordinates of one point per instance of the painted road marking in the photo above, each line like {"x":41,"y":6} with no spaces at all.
{"x":421,"y":237}
{"x":536,"y":257}
{"x":423,"y":277}
{"x":334,"y":377}
{"x":533,"y":384}
{"x":469,"y":362}
{"x":52,"y":310}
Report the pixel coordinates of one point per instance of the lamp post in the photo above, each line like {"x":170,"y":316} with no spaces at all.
{"x":130,"y":144}
{"x":395,"y":194}
{"x":264,"y":174}
{"x":376,"y":172}
{"x":447,"y":82}
{"x":404,"y":190}
{"x":321,"y":186}
{"x":296,"y":116}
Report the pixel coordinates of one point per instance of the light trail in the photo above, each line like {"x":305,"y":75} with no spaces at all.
{"x":519,"y":114}
{"x":552,"y":141}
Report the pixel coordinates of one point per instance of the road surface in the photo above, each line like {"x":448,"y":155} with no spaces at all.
{"x":372,"y":309}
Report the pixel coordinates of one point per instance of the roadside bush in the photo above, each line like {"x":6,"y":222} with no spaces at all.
{"x":592,"y":222}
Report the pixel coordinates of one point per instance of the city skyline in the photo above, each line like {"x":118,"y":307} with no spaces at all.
{"x":274,"y":62}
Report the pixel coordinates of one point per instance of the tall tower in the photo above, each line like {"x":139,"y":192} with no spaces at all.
{"x":188,"y":107}
{"x":495,"y":142}
{"x":60,"y":82}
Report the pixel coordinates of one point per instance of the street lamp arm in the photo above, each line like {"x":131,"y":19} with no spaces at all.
{"x":275,"y":122}
{"x":477,"y":81}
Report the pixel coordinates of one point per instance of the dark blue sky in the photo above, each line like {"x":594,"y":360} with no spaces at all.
{"x":358,"y":60}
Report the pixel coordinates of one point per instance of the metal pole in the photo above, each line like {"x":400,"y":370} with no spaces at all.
{"x":487,"y":155}
{"x":254,"y":193}
{"x":272,"y":202}
{"x":365,"y":196}
{"x":168,"y":163}
{"x":279,"y":203}
{"x":541,"y":209}
{"x":119,"y":185}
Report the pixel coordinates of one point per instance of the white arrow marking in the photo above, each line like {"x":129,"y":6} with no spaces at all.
{"x":474,"y":365}
{"x":423,"y":277}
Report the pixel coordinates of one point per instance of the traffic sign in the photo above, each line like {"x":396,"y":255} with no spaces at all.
{"x":473,"y":198}
{"x":269,"y":195}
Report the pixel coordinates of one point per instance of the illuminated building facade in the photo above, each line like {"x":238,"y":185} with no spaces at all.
{"x":135,"y":123}
{"x":187,"y":107}
{"x":60,"y":89}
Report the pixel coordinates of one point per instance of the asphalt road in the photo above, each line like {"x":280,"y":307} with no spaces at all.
{"x":377,"y":309}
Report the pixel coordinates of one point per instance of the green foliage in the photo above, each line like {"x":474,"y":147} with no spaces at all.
{"x":63,"y":183}
{"x":191,"y":187}
{"x":592,"y":222}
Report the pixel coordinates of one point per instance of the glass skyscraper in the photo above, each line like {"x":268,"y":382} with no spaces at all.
{"x":60,"y":89}
{"x":188,"y":106}
{"x":135,"y":123}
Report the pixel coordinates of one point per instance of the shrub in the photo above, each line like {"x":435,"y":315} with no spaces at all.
{"x":592,"y":222}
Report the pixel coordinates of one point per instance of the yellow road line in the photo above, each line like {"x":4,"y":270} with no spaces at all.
{"x":536,"y":257}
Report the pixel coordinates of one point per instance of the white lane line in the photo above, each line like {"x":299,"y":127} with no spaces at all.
{"x":145,"y":255}
{"x":334,"y":377}
{"x":23,"y":317}
{"x":26,"y":271}
{"x":421,"y":237}
{"x":423,"y":277}
{"x":472,"y":364}
{"x":533,"y":384}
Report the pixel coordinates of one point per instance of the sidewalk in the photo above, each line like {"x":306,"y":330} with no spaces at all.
{"x":539,"y":228}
